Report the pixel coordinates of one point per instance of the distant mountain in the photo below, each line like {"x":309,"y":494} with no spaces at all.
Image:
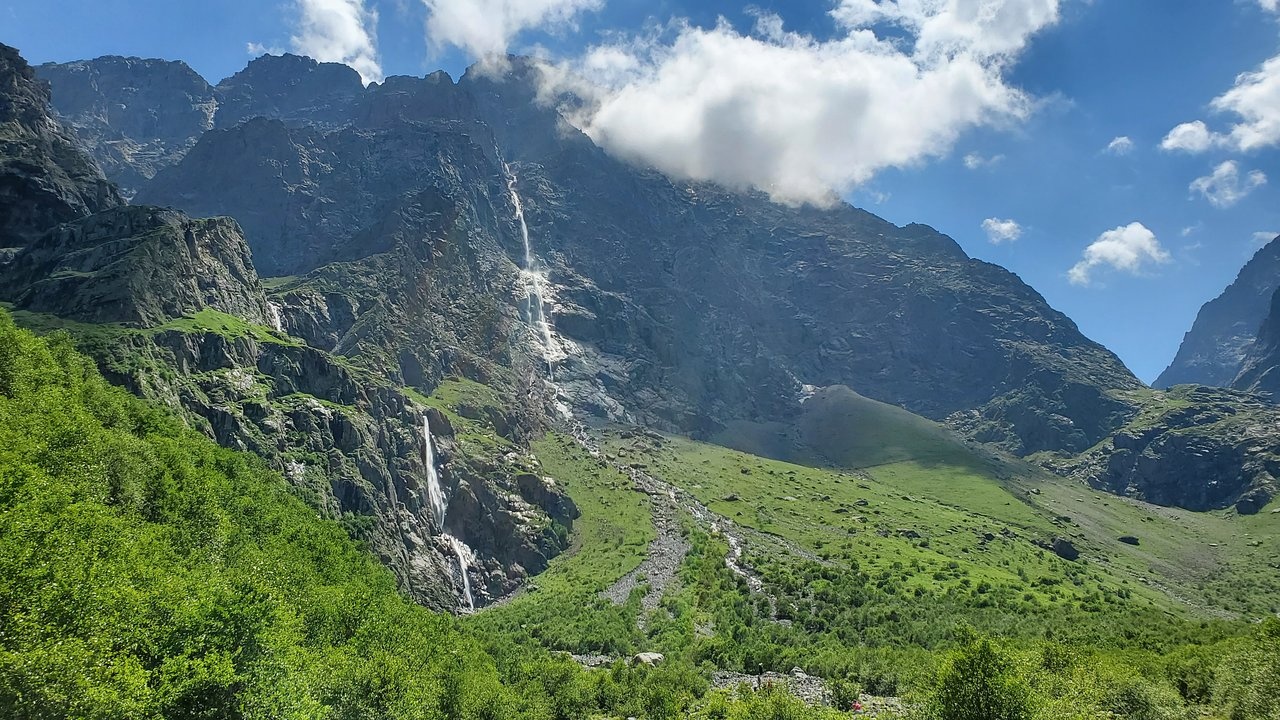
{"x":1214,"y":350}
{"x":135,"y":116}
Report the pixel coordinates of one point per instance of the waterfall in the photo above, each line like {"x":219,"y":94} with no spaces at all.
{"x":534,"y":278}
{"x":465,"y":559}
{"x":435,"y":493}
{"x":273,"y":317}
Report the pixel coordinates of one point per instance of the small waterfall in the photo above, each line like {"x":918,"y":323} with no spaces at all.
{"x":435,"y":492}
{"x":273,"y":317}
{"x":466,"y":557}
{"x":534,"y":277}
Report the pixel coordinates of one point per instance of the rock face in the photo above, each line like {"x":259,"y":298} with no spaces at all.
{"x":140,"y":266}
{"x":1214,"y":350}
{"x":293,"y":88}
{"x":1260,"y":369}
{"x":44,"y":178}
{"x":134,"y":116}
{"x":1194,"y":447}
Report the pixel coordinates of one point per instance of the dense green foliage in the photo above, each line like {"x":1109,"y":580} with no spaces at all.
{"x":978,"y":682}
{"x":146,"y":573}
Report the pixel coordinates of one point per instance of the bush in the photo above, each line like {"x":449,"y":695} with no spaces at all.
{"x":1248,"y":681}
{"x":979,"y":682}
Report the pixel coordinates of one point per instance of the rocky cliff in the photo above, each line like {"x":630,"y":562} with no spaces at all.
{"x":44,"y":178}
{"x":140,"y":266}
{"x":1195,"y":447}
{"x":1214,"y":350}
{"x":1260,"y":368}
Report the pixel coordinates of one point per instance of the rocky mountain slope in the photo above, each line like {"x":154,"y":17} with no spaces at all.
{"x":630,"y":254}
{"x":1214,"y":350}
{"x":460,"y":245}
{"x":1260,"y":369}
{"x":172,"y":308}
{"x":44,"y":178}
{"x":135,"y":116}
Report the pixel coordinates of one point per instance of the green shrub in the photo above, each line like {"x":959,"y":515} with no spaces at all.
{"x":980,"y":682}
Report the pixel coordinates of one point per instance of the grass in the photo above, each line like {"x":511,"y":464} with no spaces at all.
{"x":869,"y":517}
{"x":228,"y":326}
{"x":561,"y":609}
{"x":612,"y":535}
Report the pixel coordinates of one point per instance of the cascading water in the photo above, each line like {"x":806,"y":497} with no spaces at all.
{"x":435,"y":492}
{"x":273,"y":317}
{"x":466,"y":557}
{"x":535,"y":280}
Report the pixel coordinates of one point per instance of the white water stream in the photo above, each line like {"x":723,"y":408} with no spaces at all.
{"x":435,"y":492}
{"x":466,"y":557}
{"x":535,"y":282}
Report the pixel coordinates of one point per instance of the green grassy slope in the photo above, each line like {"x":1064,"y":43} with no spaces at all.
{"x":146,"y":573}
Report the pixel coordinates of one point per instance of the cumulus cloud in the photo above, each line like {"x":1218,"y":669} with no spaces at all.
{"x":1122,"y":145}
{"x":1192,"y":137}
{"x":1224,"y":187}
{"x":1001,"y":231}
{"x":1262,"y":237}
{"x":798,"y":117}
{"x":1129,"y":248}
{"x":342,"y":31}
{"x":1255,"y":102}
{"x":1270,"y":5}
{"x":485,"y":28}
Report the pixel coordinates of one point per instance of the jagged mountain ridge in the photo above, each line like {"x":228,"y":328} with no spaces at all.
{"x":135,"y":115}
{"x":173,"y":309}
{"x":603,"y":228}
{"x":1213,"y":351}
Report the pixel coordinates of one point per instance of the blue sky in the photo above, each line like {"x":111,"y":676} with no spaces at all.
{"x":1093,"y":72}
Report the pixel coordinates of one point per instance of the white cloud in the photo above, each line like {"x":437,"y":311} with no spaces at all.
{"x":342,"y":31}
{"x":1254,"y":100}
{"x":1270,"y":5}
{"x":797,"y":117}
{"x":1192,"y":137}
{"x":1122,"y":145}
{"x":974,"y":161}
{"x":1001,"y":231}
{"x":1262,"y":237}
{"x":485,"y":28}
{"x":1224,"y":187}
{"x":255,"y":49}
{"x":1129,"y":248}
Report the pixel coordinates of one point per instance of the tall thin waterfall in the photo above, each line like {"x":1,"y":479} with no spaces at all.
{"x":466,"y":557}
{"x":534,"y":277}
{"x":435,"y":492}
